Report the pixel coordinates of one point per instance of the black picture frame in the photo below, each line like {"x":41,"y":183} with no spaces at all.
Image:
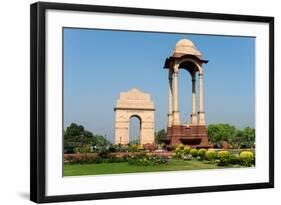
{"x":38,"y":97}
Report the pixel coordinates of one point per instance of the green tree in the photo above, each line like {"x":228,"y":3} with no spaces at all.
{"x":99,"y":140}
{"x":244,"y":138}
{"x":160,"y":135}
{"x":75,"y":135}
{"x":218,"y":133}
{"x":249,"y":137}
{"x":237,"y":142}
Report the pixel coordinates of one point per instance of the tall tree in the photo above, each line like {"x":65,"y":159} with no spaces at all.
{"x":160,"y":135}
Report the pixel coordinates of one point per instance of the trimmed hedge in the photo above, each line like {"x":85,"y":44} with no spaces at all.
{"x":186,"y":150}
{"x":247,"y":158}
{"x":211,"y":155}
{"x":202,"y":152}
{"x":224,"y":158}
{"x":194,"y":152}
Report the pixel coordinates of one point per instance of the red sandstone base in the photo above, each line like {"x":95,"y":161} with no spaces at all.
{"x":192,"y":135}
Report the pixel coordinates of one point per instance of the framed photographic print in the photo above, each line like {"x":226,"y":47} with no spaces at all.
{"x":129,"y":102}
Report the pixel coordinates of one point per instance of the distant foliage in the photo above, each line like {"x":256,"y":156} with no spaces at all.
{"x":160,"y":135}
{"x":81,"y":140}
{"x":75,"y":135}
{"x":99,"y":140}
{"x":225,"y":133}
{"x":218,"y":133}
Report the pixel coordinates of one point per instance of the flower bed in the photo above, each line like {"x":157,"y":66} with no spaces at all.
{"x":89,"y":158}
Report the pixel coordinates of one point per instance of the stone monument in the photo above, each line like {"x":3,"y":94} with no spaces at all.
{"x":186,"y":56}
{"x":134,"y":103}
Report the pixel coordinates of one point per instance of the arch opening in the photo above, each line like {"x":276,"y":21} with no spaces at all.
{"x":185,"y":95}
{"x":190,"y":66}
{"x":135,"y":127}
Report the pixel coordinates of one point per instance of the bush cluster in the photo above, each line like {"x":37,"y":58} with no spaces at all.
{"x":182,"y":151}
{"x":222,"y":158}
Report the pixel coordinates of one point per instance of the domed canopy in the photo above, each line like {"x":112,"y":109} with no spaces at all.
{"x":184,"y":42}
{"x":186,"y":47}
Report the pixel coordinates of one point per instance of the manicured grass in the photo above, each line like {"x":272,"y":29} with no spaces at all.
{"x":124,"y":167}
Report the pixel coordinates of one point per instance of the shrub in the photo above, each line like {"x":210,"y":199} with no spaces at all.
{"x":194,"y":152}
{"x":114,"y":148}
{"x":104,"y":153}
{"x":84,"y":149}
{"x":132,"y":148}
{"x":234,"y":159}
{"x":186,"y":150}
{"x":211,"y":155}
{"x":224,"y":158}
{"x":202,"y":152}
{"x":178,"y":152}
{"x":69,"y":149}
{"x":246,"y":158}
{"x":181,"y":146}
{"x":183,"y":152}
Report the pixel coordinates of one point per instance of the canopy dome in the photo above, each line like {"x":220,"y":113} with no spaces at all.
{"x":186,"y":47}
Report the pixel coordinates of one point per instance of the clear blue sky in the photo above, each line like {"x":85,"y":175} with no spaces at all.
{"x":99,"y":64}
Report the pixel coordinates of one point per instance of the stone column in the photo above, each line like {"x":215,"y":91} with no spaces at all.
{"x":176,"y":114}
{"x":201,"y":113}
{"x":193,"y":109}
{"x":170,"y":113}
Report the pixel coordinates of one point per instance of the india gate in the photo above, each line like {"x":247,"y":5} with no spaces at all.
{"x":136,"y":103}
{"x":186,"y":56}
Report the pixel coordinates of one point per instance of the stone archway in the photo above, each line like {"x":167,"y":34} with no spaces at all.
{"x":134,"y":103}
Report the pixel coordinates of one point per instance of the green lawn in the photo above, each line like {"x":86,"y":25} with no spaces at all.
{"x":124,"y":167}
